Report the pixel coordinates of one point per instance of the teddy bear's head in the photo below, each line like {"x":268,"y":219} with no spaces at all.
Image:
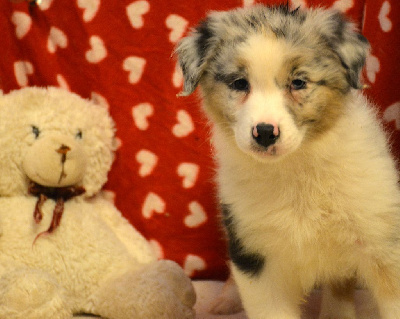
{"x":53,"y":138}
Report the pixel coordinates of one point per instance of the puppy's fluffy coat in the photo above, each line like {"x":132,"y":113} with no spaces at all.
{"x":308,"y":188}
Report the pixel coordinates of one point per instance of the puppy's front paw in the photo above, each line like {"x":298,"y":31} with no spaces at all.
{"x":228,"y":301}
{"x":226,"y":306}
{"x":335,"y":317}
{"x":339,"y":313}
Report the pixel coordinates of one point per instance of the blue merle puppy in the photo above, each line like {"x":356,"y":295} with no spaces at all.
{"x":308,"y":187}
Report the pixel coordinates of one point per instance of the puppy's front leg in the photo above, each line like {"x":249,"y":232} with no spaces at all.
{"x":338,"y":300}
{"x":271,"y":294}
{"x":383,"y":279}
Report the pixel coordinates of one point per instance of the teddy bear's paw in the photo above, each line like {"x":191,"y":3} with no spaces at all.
{"x":159,"y":290}
{"x":32,"y":294}
{"x":175,"y":278}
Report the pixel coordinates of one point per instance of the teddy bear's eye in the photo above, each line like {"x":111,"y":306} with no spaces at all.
{"x":79,"y":135}
{"x":35,"y":131}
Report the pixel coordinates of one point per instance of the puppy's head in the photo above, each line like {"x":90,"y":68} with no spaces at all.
{"x":270,"y":77}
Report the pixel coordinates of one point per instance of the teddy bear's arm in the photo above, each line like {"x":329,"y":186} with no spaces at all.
{"x":134,"y":242}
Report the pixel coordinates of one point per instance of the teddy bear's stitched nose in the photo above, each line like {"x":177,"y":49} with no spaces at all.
{"x":63,"y":149}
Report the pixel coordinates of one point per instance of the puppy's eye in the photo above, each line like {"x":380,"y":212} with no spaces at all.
{"x":35,"y":131}
{"x":240,"y":85}
{"x":79,"y":135}
{"x":298,"y":84}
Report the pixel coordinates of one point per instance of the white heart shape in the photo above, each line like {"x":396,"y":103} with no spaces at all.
{"x":22,"y":69}
{"x":141,"y":113}
{"x":157,"y":248}
{"x":62,"y":82}
{"x":22,"y":22}
{"x":177,"y":77}
{"x":153,"y":204}
{"x":117,"y":143}
{"x":372,"y":67}
{"x":45,"y":4}
{"x":90,"y":8}
{"x":189,"y":173}
{"x":248,"y":3}
{"x":147,"y":161}
{"x":108,"y":195}
{"x":97,"y":51}
{"x":197,"y":215}
{"x":298,"y":3}
{"x":57,"y":38}
{"x":135,"y":11}
{"x":177,"y":25}
{"x":192,"y":264}
{"x":343,"y":5}
{"x":392,"y":113}
{"x":135,"y":66}
{"x":99,"y":99}
{"x":184,"y":126}
{"x":385,"y":22}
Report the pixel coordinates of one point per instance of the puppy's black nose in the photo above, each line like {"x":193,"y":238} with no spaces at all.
{"x":265,"y":134}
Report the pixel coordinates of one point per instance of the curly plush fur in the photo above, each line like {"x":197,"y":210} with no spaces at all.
{"x":308,"y":188}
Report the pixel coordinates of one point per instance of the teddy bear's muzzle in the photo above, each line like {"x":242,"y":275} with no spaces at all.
{"x":55,"y":161}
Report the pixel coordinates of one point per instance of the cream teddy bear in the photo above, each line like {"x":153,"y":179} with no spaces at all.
{"x":64,"y":248}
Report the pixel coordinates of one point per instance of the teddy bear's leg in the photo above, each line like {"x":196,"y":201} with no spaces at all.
{"x":159,"y":290}
{"x":32,"y":294}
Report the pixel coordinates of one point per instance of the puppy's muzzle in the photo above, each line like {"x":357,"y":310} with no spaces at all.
{"x":265,"y":134}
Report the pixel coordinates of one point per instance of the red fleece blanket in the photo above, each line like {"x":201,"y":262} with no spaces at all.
{"x":119,"y":53}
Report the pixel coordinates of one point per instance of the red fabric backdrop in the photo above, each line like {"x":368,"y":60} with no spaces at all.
{"x":119,"y":53}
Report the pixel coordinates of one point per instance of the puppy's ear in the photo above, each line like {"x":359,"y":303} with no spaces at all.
{"x":351,"y":47}
{"x":193,"y":53}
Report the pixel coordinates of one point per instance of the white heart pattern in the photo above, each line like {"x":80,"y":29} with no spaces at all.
{"x":22,"y":22}
{"x":192,"y":264}
{"x":177,"y":77}
{"x":385,"y":22}
{"x":248,"y":3}
{"x":22,"y":69}
{"x":189,"y":173}
{"x":62,"y":82}
{"x":90,"y":8}
{"x":157,"y":248}
{"x":343,"y":5}
{"x":99,"y":99}
{"x":147,"y":160}
{"x":298,"y":3}
{"x":197,"y":216}
{"x":177,"y":25}
{"x":135,"y":66}
{"x":392,"y":113}
{"x":153,"y":204}
{"x":117,"y":143}
{"x":97,"y":52}
{"x":141,"y":113}
{"x":135,"y":11}
{"x":372,"y":67}
{"x":45,"y":4}
{"x":184,"y":126}
{"x":57,"y":38}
